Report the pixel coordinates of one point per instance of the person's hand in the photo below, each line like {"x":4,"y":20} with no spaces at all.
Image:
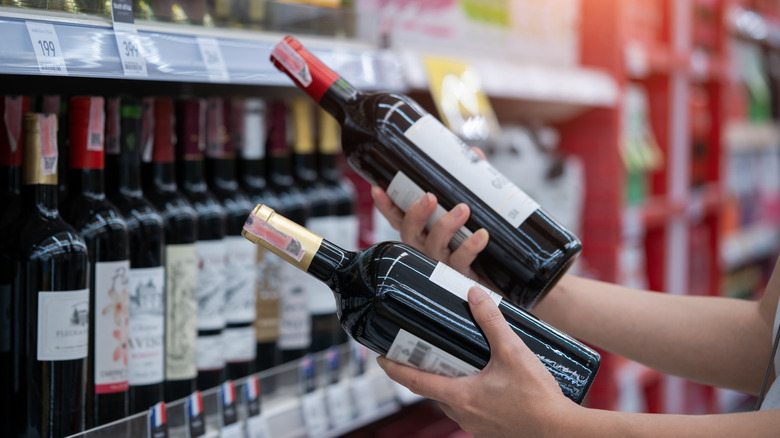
{"x":513,"y":396}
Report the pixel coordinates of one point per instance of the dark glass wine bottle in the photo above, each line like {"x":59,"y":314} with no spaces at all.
{"x":210,"y":247}
{"x":324,"y":322}
{"x":393,"y":143}
{"x":181,"y":233}
{"x":12,"y":108}
{"x":105,"y":231}
{"x":50,"y":300}
{"x":251,"y":174}
{"x":400,"y":303}
{"x":146,"y":281}
{"x":294,"y":319}
{"x":240,"y":275}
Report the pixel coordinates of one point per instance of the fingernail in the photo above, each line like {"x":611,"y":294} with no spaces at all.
{"x":459,"y":210}
{"x":381,"y":361}
{"x":481,"y":235}
{"x":427,"y":200}
{"x":476,"y":295}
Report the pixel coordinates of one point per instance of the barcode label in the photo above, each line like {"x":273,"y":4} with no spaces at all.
{"x":410,"y":350}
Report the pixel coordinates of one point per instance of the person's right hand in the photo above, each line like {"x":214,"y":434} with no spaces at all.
{"x":435,"y":242}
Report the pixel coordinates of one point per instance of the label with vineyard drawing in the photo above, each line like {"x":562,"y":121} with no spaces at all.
{"x":63,"y":325}
{"x":146,"y":328}
{"x":181,"y":273}
{"x":210,"y":292}
{"x":111,"y":321}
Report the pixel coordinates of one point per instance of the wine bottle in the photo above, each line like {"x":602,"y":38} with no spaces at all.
{"x":146,"y":329}
{"x":48,"y":261}
{"x":240,"y":275}
{"x":251,"y":172}
{"x":402,"y":304}
{"x":324,"y":322}
{"x":294,"y":319}
{"x":181,"y":233}
{"x":105,"y":231}
{"x":12,"y":108}
{"x":210,"y":247}
{"x":391,"y":142}
{"x":344,"y":221}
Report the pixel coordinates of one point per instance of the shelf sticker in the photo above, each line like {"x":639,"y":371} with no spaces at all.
{"x":47,"y":48}
{"x":196,"y":421}
{"x":228,"y":393}
{"x":212,"y":58}
{"x":156,"y":421}
{"x":128,"y":42}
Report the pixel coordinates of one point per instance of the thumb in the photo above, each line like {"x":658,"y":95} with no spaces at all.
{"x":490,"y":319}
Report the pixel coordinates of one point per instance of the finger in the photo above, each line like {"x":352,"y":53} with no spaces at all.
{"x":439,"y":236}
{"x":413,"y":225}
{"x":489,"y":318}
{"x":462,"y":258}
{"x":385,"y":205}
{"x":428,"y":385}
{"x":479,"y":152}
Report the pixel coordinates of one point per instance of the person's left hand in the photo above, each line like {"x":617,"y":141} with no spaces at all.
{"x":513,"y":396}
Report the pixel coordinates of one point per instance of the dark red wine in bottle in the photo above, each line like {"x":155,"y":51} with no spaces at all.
{"x":48,"y":261}
{"x":251,"y":175}
{"x":324,"y":322}
{"x":240,"y":274}
{"x":210,"y":247}
{"x":105,"y":231}
{"x":181,"y":263}
{"x":391,"y":142}
{"x":146,"y":281}
{"x":294,"y":319}
{"x":400,"y":303}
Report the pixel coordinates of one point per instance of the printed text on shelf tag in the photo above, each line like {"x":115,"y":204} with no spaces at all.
{"x":47,"y":48}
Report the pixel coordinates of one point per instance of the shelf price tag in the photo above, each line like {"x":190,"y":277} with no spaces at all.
{"x":212,"y":58}
{"x":256,"y":426}
{"x":231,"y":428}
{"x":47,"y":48}
{"x":156,"y":421}
{"x":131,"y":52}
{"x":196,"y":421}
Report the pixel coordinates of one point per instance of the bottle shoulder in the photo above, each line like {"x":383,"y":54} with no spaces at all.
{"x":92,"y":216}
{"x":45,"y":237}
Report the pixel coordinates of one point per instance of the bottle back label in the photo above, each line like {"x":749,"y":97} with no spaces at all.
{"x":457,"y":283}
{"x":111,"y":324}
{"x":210,"y":292}
{"x":295,"y":323}
{"x":181,"y":273}
{"x":412,"y":351}
{"x":320,"y":297}
{"x":147,"y":326}
{"x":240,"y":344}
{"x":239,"y":280}
{"x":63,"y":325}
{"x":269,"y":286}
{"x":210,"y":352}
{"x":457,"y":158}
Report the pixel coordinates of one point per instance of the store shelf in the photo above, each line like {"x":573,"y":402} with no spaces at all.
{"x":172,"y":52}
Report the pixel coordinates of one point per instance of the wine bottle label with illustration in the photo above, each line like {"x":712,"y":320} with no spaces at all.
{"x":295,"y":322}
{"x":269,"y":285}
{"x":457,"y":158}
{"x":147,"y":326}
{"x":210,"y":352}
{"x":63,"y":325}
{"x":239,"y":280}
{"x":210,"y":293}
{"x":320,"y":296}
{"x":457,"y":283}
{"x":111,"y":323}
{"x":181,"y":273}
{"x":239,"y":344}
{"x":404,"y":192}
{"x":410,"y":350}
{"x":5,"y":318}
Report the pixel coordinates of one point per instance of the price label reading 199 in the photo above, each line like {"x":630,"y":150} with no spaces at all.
{"x":47,"y":49}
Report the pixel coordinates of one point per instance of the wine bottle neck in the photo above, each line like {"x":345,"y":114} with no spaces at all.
{"x":89,"y":182}
{"x":329,"y":168}
{"x":221,"y":173}
{"x":252,"y":174}
{"x":40,"y":197}
{"x":163,"y":177}
{"x":328,"y":260}
{"x":279,"y":170}
{"x":191,"y":175}
{"x":123,"y":176}
{"x":305,"y":168}
{"x":11,"y":178}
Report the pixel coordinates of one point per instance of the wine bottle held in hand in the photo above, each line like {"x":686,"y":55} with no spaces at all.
{"x":393,"y":143}
{"x":400,"y":303}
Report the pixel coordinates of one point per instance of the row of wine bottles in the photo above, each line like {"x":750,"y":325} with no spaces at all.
{"x":124,"y":279}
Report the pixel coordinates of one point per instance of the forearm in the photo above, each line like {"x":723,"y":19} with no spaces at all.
{"x":588,"y":423}
{"x":716,"y":341}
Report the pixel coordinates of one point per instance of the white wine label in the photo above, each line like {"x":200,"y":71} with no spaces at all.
{"x":5,"y":318}
{"x":63,"y":325}
{"x":181,"y":273}
{"x":210,"y":352}
{"x":210,"y":293}
{"x":47,"y":48}
{"x":320,"y":297}
{"x":404,"y":192}
{"x":240,"y":344}
{"x":253,"y":145}
{"x":269,"y":285}
{"x":408,"y":349}
{"x":294,"y":319}
{"x":147,"y":326}
{"x":315,"y":415}
{"x":446,"y":149}
{"x":111,"y":324}
{"x":240,"y":280}
{"x":457,"y":283}
{"x":341,"y":409}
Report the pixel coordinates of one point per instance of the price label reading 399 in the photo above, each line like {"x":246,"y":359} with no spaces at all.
{"x":46,"y":46}
{"x":127,"y":40}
